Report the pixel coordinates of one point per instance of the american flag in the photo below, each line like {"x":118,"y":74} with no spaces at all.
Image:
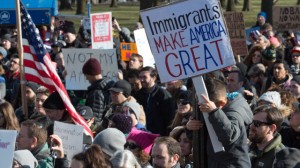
{"x":39,"y":67}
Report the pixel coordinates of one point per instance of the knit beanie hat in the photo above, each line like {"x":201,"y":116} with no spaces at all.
{"x":135,"y":107}
{"x":287,"y":158}
{"x":143,"y":139}
{"x":271,"y":97}
{"x":186,"y":96}
{"x":274,"y":41}
{"x":25,"y":158}
{"x":3,"y":52}
{"x":257,"y":69}
{"x":32,"y":85}
{"x":122,"y":122}
{"x":54,"y":101}
{"x":110,"y":140}
{"x":122,"y":86}
{"x":91,"y":67}
{"x":70,"y":29}
{"x":263,"y":14}
{"x":296,"y":49}
{"x":269,"y":54}
{"x":7,"y":37}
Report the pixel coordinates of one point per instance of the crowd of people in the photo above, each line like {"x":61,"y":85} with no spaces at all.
{"x":139,"y":122}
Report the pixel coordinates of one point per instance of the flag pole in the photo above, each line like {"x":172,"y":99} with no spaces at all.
{"x":21,"y":56}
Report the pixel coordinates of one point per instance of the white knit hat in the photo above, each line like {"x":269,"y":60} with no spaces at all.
{"x":271,"y":97}
{"x":25,"y":158}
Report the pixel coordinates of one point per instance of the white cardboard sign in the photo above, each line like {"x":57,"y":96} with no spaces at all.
{"x":7,"y":147}
{"x":201,"y":89}
{"x":101,"y":30}
{"x":143,"y":47}
{"x":72,"y":137}
{"x":75,"y":58}
{"x":188,"y":38}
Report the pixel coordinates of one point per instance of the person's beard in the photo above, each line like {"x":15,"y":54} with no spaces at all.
{"x":255,"y":138}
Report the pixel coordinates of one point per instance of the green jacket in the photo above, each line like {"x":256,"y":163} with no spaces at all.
{"x":42,"y":154}
{"x":265,"y":157}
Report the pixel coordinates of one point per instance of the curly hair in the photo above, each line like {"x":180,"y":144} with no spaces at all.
{"x":93,"y":157}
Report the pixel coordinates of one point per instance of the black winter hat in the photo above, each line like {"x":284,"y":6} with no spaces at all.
{"x":122,"y":122}
{"x":70,"y":29}
{"x":91,"y":67}
{"x":54,"y":101}
{"x":287,"y":158}
{"x":186,"y":96}
{"x":122,"y":86}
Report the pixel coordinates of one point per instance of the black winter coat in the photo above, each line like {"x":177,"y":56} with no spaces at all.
{"x":98,"y":97}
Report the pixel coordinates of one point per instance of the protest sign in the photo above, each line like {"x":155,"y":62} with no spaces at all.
{"x":143,"y":47}
{"x":127,"y":49}
{"x":101,"y":30}
{"x":71,"y":136}
{"x":188,"y":38}
{"x":236,"y":28}
{"x":86,"y":23}
{"x":201,"y":90}
{"x":7,"y":147}
{"x":286,"y":18}
{"x":75,"y":58}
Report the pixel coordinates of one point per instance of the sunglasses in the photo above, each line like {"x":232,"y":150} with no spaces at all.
{"x":130,"y":145}
{"x":183,"y":102}
{"x":257,"y":123}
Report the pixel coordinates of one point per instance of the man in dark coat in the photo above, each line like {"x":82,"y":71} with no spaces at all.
{"x":156,"y":101}
{"x":98,"y":96}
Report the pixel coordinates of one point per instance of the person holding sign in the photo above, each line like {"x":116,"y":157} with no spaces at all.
{"x":230,"y":118}
{"x":33,"y":136}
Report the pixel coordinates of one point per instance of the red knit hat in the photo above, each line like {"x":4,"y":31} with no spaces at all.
{"x":143,"y":139}
{"x":91,"y":67}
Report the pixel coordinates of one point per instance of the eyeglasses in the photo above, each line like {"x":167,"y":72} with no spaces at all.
{"x":257,"y":123}
{"x":130,"y":145}
{"x":295,"y":55}
{"x":182,"y":102}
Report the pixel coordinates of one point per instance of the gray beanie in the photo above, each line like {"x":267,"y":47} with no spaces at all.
{"x":135,"y":107}
{"x":110,"y":140}
{"x":25,"y":158}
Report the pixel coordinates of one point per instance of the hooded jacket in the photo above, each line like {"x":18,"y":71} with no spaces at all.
{"x":230,"y":125}
{"x":265,"y":158}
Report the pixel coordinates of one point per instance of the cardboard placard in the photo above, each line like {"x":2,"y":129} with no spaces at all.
{"x":236,"y":28}
{"x":75,"y":58}
{"x":71,"y":136}
{"x":7,"y":147}
{"x":286,"y":18}
{"x":101,"y":30}
{"x":201,"y":89}
{"x":188,"y":38}
{"x":143,"y":47}
{"x":127,"y":49}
